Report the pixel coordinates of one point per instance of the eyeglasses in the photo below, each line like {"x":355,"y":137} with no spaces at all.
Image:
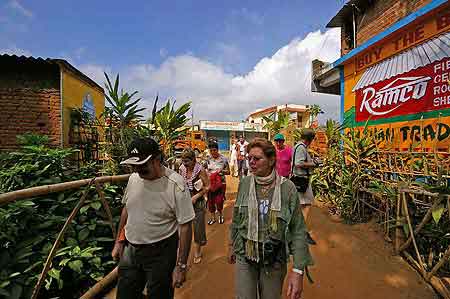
{"x":256,"y":159}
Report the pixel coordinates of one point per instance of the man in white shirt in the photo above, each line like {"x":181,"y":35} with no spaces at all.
{"x":242,"y":156}
{"x":157,"y":220}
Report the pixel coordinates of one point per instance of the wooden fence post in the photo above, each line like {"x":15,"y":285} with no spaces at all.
{"x":52,"y":253}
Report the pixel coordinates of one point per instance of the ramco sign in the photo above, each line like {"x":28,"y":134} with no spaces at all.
{"x":420,"y":90}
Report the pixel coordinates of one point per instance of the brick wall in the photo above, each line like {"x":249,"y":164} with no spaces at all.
{"x":320,"y":143}
{"x":382,"y":14}
{"x":29,"y":110}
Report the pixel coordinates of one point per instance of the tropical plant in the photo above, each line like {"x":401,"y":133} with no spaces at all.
{"x":124,"y":111}
{"x":333,"y":132}
{"x":169,"y":124}
{"x":314,"y":110}
{"x":276,"y":122}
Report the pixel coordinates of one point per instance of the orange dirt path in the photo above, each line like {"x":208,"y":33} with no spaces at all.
{"x":351,"y":262}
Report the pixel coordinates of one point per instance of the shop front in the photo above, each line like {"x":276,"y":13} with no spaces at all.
{"x":224,"y":132}
{"x":399,"y":85}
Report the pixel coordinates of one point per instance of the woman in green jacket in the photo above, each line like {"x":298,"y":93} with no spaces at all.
{"x":267,"y":228}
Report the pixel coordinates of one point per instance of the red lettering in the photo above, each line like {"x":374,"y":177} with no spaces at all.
{"x":419,"y":33}
{"x":397,"y":43}
{"x":377,"y":53}
{"x":443,"y":21}
{"x":408,"y":39}
{"x":360,"y":62}
{"x":367,"y":58}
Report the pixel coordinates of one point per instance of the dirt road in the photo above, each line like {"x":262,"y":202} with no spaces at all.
{"x":352,"y":262}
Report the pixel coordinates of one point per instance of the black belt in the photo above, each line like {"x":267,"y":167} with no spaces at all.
{"x":156,"y":244}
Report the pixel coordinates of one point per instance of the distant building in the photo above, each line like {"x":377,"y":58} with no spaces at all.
{"x":394,"y":70}
{"x":224,"y":131}
{"x":298,"y":114}
{"x":37,"y":95}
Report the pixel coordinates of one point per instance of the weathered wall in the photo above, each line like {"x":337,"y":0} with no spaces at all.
{"x":427,"y":129}
{"x":383,"y":14}
{"x":75,"y":91}
{"x":29,"y":99}
{"x":29,"y":110}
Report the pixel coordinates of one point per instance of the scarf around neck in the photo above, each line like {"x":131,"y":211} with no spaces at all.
{"x":195,"y":172}
{"x":252,"y":243}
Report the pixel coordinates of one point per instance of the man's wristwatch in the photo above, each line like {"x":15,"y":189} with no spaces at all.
{"x":182,"y":266}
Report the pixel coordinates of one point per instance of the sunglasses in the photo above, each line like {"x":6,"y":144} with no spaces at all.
{"x":256,"y":159}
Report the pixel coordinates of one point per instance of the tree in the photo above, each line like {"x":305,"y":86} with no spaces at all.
{"x":168,"y":124}
{"x":313,"y":110}
{"x":124,"y":111}
{"x":276,"y":122}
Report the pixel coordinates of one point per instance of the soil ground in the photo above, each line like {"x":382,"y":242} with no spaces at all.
{"x":351,"y":262}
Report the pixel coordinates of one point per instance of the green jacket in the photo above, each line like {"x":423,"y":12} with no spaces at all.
{"x":291,"y":225}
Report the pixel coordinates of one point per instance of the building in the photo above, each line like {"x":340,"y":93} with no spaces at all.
{"x":298,"y":114}
{"x":38,"y":95}
{"x":394,"y":70}
{"x":223,"y":131}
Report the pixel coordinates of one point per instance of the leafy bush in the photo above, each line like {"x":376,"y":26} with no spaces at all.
{"x":28,"y":228}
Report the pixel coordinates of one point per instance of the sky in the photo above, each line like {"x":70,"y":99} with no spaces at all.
{"x":228,"y":57}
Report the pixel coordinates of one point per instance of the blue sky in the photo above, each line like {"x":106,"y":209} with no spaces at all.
{"x":211,"y":52}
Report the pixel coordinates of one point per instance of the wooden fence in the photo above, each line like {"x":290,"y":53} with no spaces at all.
{"x":395,"y":215}
{"x":42,"y":190}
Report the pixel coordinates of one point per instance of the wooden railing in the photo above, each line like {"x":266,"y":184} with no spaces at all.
{"x":396,"y":213}
{"x":42,"y":190}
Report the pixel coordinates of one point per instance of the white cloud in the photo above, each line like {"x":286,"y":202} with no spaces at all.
{"x":220,"y":95}
{"x":14,"y":50}
{"x":250,"y":16}
{"x":95,"y":72}
{"x":14,"y":4}
{"x":79,"y":52}
{"x":163,"y":52}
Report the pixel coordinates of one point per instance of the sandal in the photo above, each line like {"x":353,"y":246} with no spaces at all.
{"x":221,"y":220}
{"x":197,"y":259}
{"x":211,"y":221}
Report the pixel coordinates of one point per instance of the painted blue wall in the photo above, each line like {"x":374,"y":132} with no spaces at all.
{"x":223,"y":138}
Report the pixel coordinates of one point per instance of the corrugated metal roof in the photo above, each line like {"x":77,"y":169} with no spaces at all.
{"x":418,"y":56}
{"x":345,"y":13}
{"x":60,"y":62}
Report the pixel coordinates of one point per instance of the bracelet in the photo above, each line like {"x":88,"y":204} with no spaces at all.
{"x":297,"y":271}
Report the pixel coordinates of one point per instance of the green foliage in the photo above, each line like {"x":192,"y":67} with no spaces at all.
{"x":32,"y":139}
{"x":124,"y":111}
{"x":29,"y":227}
{"x":314,"y":111}
{"x":346,"y":168}
{"x":276,"y":122}
{"x":169,"y":124}
{"x":33,"y":165}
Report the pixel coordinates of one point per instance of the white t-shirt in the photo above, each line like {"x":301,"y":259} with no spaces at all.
{"x":156,"y":207}
{"x":218,"y":164}
{"x":233,"y":155}
{"x":243,"y":148}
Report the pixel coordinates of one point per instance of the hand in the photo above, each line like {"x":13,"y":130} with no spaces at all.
{"x":231,"y":257}
{"x":194,"y":200}
{"x":117,"y":251}
{"x":178,"y":277}
{"x":295,"y":285}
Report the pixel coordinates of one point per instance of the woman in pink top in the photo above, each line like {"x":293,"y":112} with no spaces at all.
{"x":284,"y":156}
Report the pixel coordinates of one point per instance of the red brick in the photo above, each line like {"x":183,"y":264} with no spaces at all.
{"x":23,"y":109}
